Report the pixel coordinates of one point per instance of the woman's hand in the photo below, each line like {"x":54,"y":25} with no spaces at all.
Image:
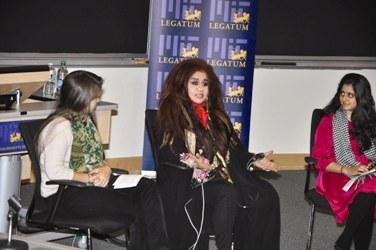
{"x":100,"y":176}
{"x":266,"y":164}
{"x":203,"y":163}
{"x":357,"y":170}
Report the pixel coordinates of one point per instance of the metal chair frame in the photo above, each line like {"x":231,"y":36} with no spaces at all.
{"x":316,"y":200}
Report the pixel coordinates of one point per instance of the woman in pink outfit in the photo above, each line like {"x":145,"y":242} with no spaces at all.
{"x":345,"y":146}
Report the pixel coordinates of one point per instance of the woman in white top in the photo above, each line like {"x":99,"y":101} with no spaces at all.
{"x":69,"y":148}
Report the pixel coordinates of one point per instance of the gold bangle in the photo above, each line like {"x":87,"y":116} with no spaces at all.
{"x":341,"y":169}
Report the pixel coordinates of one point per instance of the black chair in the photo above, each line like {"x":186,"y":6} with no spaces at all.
{"x":150,"y":119}
{"x":316,"y":200}
{"x":39,"y":216}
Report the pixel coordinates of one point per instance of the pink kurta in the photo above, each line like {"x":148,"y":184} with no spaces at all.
{"x":330,"y":184}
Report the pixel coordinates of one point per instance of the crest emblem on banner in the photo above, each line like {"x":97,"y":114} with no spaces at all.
{"x":241,"y":55}
{"x":237,"y":128}
{"x":236,"y":120}
{"x":174,"y":48}
{"x":193,"y":52}
{"x":15,"y":137}
{"x":234,"y":15}
{"x":241,"y":17}
{"x":234,"y":88}
{"x":235,"y":91}
{"x":227,"y":52}
{"x":181,"y":14}
{"x":10,"y":137}
{"x":194,"y":15}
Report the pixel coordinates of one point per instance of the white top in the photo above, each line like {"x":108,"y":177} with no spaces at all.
{"x":55,"y":143}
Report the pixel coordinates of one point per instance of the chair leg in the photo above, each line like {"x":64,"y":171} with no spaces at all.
{"x":310,"y":227}
{"x":89,"y":240}
{"x":127,"y":237}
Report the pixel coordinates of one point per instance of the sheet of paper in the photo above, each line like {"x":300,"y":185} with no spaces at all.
{"x":352,"y":180}
{"x":127,"y":180}
{"x":151,"y":174}
{"x":348,"y":185}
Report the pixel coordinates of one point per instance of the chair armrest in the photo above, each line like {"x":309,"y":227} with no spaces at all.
{"x":62,"y":186}
{"x":311,"y":163}
{"x":119,"y":171}
{"x":67,"y":183}
{"x":310,"y":160}
{"x":176,"y":166}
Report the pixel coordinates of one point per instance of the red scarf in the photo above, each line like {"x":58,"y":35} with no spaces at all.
{"x":202,"y":114}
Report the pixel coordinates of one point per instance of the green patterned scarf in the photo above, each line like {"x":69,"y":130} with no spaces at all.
{"x":87,"y":150}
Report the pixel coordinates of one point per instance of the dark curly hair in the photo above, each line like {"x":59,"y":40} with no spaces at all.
{"x":175,"y":113}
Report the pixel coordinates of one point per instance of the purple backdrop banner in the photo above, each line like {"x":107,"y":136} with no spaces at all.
{"x":220,"y":31}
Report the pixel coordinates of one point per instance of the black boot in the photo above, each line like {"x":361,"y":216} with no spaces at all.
{"x":337,"y":247}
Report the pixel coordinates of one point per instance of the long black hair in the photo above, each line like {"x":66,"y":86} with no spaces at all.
{"x":364,"y":115}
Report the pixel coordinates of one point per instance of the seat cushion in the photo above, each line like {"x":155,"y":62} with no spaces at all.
{"x":98,"y":225}
{"x":318,"y":200}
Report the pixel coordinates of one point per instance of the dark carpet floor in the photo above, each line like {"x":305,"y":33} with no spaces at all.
{"x":294,"y":214}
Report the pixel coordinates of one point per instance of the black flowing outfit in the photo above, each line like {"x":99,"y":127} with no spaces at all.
{"x":256,"y":227}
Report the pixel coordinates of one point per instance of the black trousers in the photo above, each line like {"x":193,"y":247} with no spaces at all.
{"x":140,"y":205}
{"x":359,"y":224}
{"x":257,"y":226}
{"x":220,"y":209}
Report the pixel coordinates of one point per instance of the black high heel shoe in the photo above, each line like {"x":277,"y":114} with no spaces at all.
{"x":336,"y":247}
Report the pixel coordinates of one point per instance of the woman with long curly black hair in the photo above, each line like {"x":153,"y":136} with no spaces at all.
{"x":204,"y":170}
{"x":345,"y":146}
